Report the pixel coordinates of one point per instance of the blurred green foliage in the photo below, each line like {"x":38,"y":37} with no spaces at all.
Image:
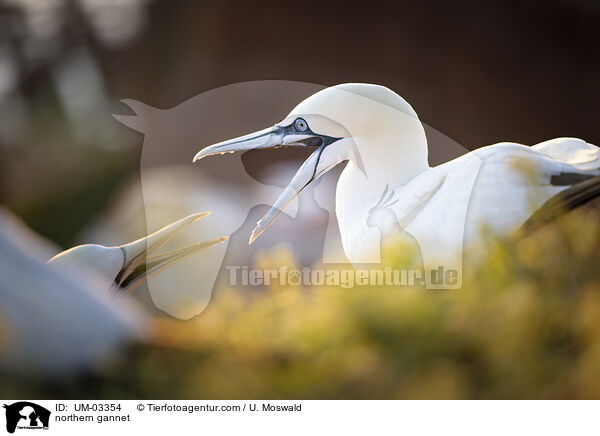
{"x":526,"y":324}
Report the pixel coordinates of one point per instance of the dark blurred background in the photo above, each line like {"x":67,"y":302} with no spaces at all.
{"x":479,"y":72}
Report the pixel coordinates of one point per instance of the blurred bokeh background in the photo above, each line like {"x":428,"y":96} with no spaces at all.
{"x":479,"y":72}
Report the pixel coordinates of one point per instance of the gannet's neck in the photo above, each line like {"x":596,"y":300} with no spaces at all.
{"x":392,"y":156}
{"x":388,"y":161}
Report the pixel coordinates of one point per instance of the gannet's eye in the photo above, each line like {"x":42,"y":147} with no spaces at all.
{"x":300,"y":125}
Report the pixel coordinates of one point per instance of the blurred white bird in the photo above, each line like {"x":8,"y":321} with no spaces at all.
{"x":52,"y":322}
{"x":123,"y":268}
{"x":57,"y":317}
{"x":380,"y":135}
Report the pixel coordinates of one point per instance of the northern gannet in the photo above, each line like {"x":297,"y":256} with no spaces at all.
{"x":123,"y":268}
{"x":57,"y":316}
{"x":499,"y":186}
{"x":51,"y":321}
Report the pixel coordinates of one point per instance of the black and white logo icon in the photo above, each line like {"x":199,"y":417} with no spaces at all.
{"x":26,"y":415}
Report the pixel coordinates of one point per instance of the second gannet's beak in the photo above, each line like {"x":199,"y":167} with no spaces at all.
{"x":139,"y":265}
{"x":329,"y":152}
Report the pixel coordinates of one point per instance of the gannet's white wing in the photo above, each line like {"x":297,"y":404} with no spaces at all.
{"x":572,"y":151}
{"x":584,"y":160}
{"x":497,"y":187}
{"x":515,"y":181}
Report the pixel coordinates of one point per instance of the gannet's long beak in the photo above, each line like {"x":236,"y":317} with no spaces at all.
{"x":307,"y":172}
{"x":281,"y":136}
{"x":272,"y":137}
{"x":139,"y":266}
{"x":266,"y":138}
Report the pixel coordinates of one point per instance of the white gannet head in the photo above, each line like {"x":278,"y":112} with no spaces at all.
{"x":122,"y":269}
{"x":370,"y":126}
